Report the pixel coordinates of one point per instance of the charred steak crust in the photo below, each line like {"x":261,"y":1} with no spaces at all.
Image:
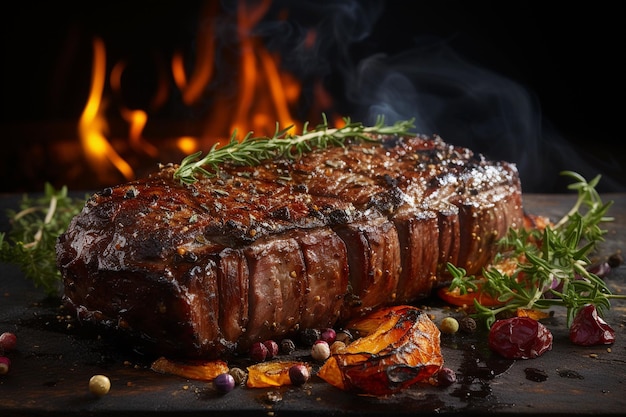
{"x":259,"y":252}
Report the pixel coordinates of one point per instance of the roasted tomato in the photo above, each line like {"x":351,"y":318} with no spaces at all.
{"x":455,"y":298}
{"x":400,"y":347}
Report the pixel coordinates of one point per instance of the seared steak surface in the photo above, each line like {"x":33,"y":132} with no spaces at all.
{"x":204,"y":270}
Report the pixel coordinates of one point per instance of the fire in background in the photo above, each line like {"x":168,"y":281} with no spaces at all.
{"x":106,"y":90}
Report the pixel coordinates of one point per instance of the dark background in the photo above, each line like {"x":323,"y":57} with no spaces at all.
{"x":539,"y":86}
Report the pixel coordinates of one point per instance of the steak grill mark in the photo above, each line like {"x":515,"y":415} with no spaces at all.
{"x":262,"y":252}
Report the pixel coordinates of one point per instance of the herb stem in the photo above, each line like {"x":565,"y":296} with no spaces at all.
{"x":252,"y":150}
{"x":551,"y":264}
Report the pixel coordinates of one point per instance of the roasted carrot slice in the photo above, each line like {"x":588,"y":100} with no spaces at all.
{"x":198,"y":370}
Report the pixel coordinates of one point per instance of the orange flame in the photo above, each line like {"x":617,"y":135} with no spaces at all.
{"x":136,"y":118}
{"x":264,"y":97}
{"x":93,"y":126}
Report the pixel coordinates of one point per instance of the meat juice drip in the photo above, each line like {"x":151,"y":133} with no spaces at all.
{"x":534,"y":374}
{"x":478,"y":368}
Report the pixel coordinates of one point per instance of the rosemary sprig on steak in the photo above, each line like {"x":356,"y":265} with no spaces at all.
{"x":552,"y":264}
{"x":252,"y":150}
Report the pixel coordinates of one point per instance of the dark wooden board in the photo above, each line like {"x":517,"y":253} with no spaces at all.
{"x":56,"y":357}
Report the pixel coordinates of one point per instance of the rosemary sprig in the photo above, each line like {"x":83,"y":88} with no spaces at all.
{"x":252,"y":150}
{"x":30,"y":244}
{"x":552,"y":263}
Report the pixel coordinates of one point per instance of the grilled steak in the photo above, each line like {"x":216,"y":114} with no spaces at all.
{"x":204,"y":270}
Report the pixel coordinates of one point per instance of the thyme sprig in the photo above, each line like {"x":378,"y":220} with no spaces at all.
{"x":252,"y":150}
{"x":30,"y":243}
{"x":552,"y":263}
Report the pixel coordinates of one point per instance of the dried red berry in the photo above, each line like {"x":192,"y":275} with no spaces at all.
{"x":589,"y":329}
{"x":519,"y":338}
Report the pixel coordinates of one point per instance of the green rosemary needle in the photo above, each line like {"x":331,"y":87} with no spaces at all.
{"x":30,"y":243}
{"x":252,"y":150}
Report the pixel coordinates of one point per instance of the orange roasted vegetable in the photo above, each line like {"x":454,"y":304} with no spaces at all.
{"x":465,"y":300}
{"x":401,"y":347}
{"x":198,"y":370}
{"x":271,"y":374}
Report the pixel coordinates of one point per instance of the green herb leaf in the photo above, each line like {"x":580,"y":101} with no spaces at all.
{"x":30,"y":244}
{"x":552,"y":263}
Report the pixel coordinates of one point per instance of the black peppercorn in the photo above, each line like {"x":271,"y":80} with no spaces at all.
{"x":287,"y":346}
{"x":467,"y":325}
{"x":309,"y":336}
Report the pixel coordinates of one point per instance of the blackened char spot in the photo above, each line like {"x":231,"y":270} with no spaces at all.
{"x":281,"y":213}
{"x":387,"y":201}
{"x":338,"y":217}
{"x":150,"y":248}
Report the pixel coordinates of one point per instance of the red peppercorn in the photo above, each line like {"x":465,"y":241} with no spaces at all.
{"x":299,"y":374}
{"x":5,"y":365}
{"x":519,"y":338}
{"x":445,"y":377}
{"x":258,"y":352}
{"x":272,"y":348}
{"x":589,"y":329}
{"x":328,"y":335}
{"x":8,"y":342}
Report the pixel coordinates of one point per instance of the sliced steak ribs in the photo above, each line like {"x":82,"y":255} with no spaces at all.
{"x":204,"y":270}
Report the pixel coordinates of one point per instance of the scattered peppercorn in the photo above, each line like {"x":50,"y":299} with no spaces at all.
{"x":258,"y":352}
{"x":272,"y":348}
{"x":344,"y":336}
{"x":99,"y":385}
{"x":337,"y":347}
{"x":320,"y":351}
{"x":446,"y":377}
{"x":309,"y":336}
{"x":467,"y":325}
{"x":299,"y":374}
{"x":5,"y":365}
{"x":287,"y":346}
{"x":615,"y":260}
{"x":8,"y":341}
{"x":328,"y":335}
{"x":449,"y":325}
{"x":224,"y":383}
{"x":239,"y":375}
